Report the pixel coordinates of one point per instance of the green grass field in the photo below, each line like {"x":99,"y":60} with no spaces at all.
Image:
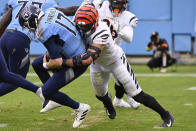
{"x":19,"y":110}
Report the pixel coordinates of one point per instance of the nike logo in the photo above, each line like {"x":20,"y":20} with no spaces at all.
{"x":169,"y":124}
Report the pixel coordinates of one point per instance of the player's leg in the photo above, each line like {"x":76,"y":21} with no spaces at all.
{"x":100,"y":84}
{"x":127,"y":77}
{"x":118,"y":100}
{"x":17,"y":58}
{"x":7,"y":76}
{"x":15,"y":49}
{"x":59,"y":80}
{"x":13,"y":78}
{"x":164,"y":63}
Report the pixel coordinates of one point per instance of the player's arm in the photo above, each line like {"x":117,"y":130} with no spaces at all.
{"x":69,"y":11}
{"x":85,"y":59}
{"x":126,"y":32}
{"x":52,"y":63}
{"x":149,"y":46}
{"x":55,"y":60}
{"x":6,"y":19}
{"x":164,"y":46}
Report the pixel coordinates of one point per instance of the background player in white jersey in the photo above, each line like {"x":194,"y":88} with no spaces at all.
{"x":122,"y":23}
{"x":112,"y":60}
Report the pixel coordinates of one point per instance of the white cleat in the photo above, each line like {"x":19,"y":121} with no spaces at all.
{"x":50,"y":106}
{"x":40,"y":95}
{"x":120,"y":103}
{"x":133,"y":103}
{"x":81,"y":112}
{"x":163,"y":70}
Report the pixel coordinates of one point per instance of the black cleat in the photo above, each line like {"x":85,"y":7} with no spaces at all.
{"x":111,"y":113}
{"x":107,"y":102}
{"x":168,"y":120}
{"x":110,"y":108}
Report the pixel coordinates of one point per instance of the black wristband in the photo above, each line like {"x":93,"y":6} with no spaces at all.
{"x":77,"y":61}
{"x":64,"y":63}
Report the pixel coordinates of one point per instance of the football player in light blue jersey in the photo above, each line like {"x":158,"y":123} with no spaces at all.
{"x":59,"y":26}
{"x":15,"y":42}
{"x":62,"y":40}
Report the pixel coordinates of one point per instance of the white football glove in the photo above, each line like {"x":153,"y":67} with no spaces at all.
{"x":97,"y":3}
{"x":86,"y":2}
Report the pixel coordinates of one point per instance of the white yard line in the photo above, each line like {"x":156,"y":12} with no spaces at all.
{"x":192,"y":88}
{"x":146,"y":74}
{"x":3,"y":125}
{"x":188,"y":104}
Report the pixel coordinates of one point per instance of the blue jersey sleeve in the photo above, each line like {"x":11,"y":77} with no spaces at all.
{"x":12,"y":3}
{"x":53,"y":48}
{"x":49,"y":4}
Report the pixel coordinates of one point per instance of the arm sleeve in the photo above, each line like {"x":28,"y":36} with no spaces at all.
{"x":133,"y":21}
{"x":5,"y":20}
{"x":49,"y":4}
{"x":126,"y":33}
{"x":52,"y":47}
{"x":69,"y":11}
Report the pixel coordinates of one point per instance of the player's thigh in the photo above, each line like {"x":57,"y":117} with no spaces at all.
{"x":99,"y":81}
{"x":123,"y":73}
{"x":18,"y":58}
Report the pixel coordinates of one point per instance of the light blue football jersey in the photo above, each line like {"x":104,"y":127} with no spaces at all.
{"x":18,"y":5}
{"x":55,"y":23}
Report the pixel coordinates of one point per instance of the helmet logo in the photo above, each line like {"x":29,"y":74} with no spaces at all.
{"x":26,"y":15}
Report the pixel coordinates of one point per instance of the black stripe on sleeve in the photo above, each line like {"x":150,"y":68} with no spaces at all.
{"x":99,"y":33}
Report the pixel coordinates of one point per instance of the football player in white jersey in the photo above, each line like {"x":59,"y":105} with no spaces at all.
{"x":122,"y":23}
{"x":109,"y":58}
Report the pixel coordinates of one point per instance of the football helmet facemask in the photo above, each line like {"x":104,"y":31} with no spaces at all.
{"x":86,"y":18}
{"x":118,"y":6}
{"x":29,"y":16}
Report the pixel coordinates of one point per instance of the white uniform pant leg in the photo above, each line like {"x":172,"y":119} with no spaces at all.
{"x":123,"y":73}
{"x":99,"y":79}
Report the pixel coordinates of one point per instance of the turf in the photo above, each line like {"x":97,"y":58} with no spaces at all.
{"x":19,"y":110}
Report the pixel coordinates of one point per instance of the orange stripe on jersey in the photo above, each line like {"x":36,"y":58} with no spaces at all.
{"x":164,"y":45}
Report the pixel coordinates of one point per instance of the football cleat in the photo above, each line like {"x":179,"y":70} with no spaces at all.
{"x":163,"y":70}
{"x":110,"y":108}
{"x":111,"y":113}
{"x":50,"y":105}
{"x":168,"y":120}
{"x":41,"y":96}
{"x":134,"y":104}
{"x":81,"y":112}
{"x":120,"y":103}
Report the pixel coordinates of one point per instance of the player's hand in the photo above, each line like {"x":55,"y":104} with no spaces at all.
{"x":97,"y":3}
{"x":154,"y":48}
{"x":44,"y":59}
{"x":86,"y":2}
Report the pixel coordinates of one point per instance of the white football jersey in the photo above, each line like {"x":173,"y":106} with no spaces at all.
{"x":126,"y":18}
{"x":111,"y":52}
